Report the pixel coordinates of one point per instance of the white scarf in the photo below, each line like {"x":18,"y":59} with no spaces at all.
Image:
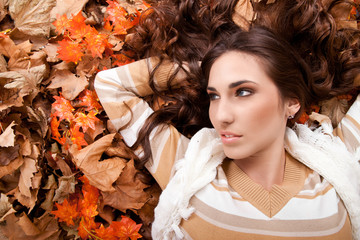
{"x":318,"y":149}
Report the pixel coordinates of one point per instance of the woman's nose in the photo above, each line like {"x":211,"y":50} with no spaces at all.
{"x":225,"y":113}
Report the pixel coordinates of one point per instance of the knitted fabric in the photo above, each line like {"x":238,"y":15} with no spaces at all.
{"x":317,"y":149}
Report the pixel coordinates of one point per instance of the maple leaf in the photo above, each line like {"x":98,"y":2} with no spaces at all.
{"x":61,"y":23}
{"x":126,"y":228}
{"x":62,"y":108}
{"x":91,"y":195}
{"x":121,"y":59}
{"x":115,"y":11}
{"x":79,"y":32}
{"x":120,"y":18}
{"x":66,"y":212}
{"x":54,"y":125}
{"x":77,"y":21}
{"x":105,"y":233}
{"x":70,"y":51}
{"x":86,"y":121}
{"x":89,"y":202}
{"x":90,"y":100}
{"x":86,"y":226}
{"x":96,"y":44}
{"x":89,"y":211}
{"x":77,"y":137}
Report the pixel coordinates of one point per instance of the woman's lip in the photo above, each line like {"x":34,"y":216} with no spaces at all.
{"x":228,"y":138}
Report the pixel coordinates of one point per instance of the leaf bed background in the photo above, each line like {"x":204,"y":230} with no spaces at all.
{"x":65,"y":173}
{"x":56,"y":142}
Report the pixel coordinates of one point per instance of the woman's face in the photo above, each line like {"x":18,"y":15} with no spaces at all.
{"x":245,"y":106}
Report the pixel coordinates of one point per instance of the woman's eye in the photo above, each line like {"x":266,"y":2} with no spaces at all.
{"x":213,"y":96}
{"x":243,"y":92}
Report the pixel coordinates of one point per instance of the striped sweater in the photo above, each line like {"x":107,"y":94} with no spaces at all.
{"x":232,"y":206}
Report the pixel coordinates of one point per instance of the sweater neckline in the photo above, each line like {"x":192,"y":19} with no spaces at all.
{"x":268,"y":202}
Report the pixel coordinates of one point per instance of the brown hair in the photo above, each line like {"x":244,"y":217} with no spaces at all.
{"x":281,"y":63}
{"x":310,"y":26}
{"x":184,"y":30}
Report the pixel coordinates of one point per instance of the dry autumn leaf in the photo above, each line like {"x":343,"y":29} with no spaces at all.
{"x":70,"y":84}
{"x":129,"y":192}
{"x":32,"y":17}
{"x":101,"y":174}
{"x":68,"y":7}
{"x":7,"y":138}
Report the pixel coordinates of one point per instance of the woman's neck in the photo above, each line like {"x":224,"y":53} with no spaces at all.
{"x":266,"y":168}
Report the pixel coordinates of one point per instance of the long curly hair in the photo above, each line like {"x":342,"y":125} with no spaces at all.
{"x":184,"y":30}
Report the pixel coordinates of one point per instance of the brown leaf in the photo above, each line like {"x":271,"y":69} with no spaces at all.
{"x":51,"y":52}
{"x":32,"y":17}
{"x":5,"y":205}
{"x":11,"y":167}
{"x":3,"y":9}
{"x":101,"y":174}
{"x":3,"y":64}
{"x":335,"y":109}
{"x":19,"y":228}
{"x":26,"y":81}
{"x":8,"y":154}
{"x":67,"y":7}
{"x":27,"y":226}
{"x":9,"y":97}
{"x":7,"y":138}
{"x":64,"y":167}
{"x":88,"y":66}
{"x":70,"y":84}
{"x":39,"y":116}
{"x":129,"y":192}
{"x":99,"y":128}
{"x":24,"y":200}
{"x":48,"y":203}
{"x":26,"y":147}
{"x":146,"y":213}
{"x":39,"y":58}
{"x":66,"y":186}
{"x":25,"y":46}
{"x":27,"y":173}
{"x":7,"y":47}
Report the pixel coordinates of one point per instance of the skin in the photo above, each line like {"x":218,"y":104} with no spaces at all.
{"x":248,"y":112}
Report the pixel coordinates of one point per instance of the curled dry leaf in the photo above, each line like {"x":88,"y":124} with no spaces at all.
{"x":129,"y":192}
{"x":27,"y":173}
{"x":7,"y":138}
{"x":11,"y":167}
{"x":101,"y":174}
{"x":32,"y":17}
{"x":9,"y":97}
{"x":66,"y":186}
{"x":70,"y":84}
{"x":8,"y":154}
{"x":3,"y":64}
{"x":26,"y":81}
{"x":67,"y":7}
{"x":243,"y":13}
{"x":39,"y":116}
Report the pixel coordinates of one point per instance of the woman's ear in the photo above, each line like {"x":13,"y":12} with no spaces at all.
{"x":293,"y":106}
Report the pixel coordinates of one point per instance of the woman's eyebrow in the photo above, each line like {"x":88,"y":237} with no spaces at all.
{"x":211,"y":89}
{"x":235,"y":84}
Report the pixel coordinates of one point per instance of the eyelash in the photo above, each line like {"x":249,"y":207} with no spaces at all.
{"x":237,"y":93}
{"x":214,"y":96}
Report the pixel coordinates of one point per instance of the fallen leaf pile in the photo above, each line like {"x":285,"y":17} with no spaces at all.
{"x":65,"y":173}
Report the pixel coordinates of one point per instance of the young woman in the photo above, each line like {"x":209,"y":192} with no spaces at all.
{"x":250,"y":177}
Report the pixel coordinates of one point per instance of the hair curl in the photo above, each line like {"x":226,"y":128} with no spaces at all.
{"x":184,"y":30}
